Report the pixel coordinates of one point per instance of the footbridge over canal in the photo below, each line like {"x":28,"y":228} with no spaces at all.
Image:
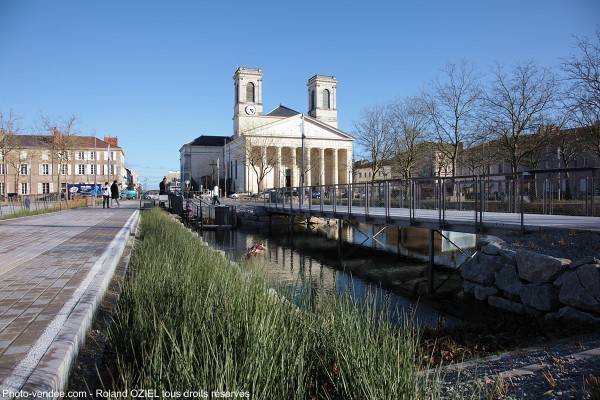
{"x":476,"y":204}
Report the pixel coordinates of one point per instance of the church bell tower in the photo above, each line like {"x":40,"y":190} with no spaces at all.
{"x":322,"y":99}
{"x":248,"y":97}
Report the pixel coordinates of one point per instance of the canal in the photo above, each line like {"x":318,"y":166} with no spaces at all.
{"x":369,"y":261}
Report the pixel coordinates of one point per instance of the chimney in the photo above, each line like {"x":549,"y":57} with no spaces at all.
{"x":56,"y":133}
{"x":113,"y":141}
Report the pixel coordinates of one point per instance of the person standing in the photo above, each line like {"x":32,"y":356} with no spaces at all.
{"x":162,"y":186}
{"x":114,"y":193}
{"x":106,"y":196}
{"x":216,"y":196}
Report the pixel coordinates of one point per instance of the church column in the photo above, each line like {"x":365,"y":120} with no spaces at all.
{"x":350,"y":166}
{"x":293,"y":167}
{"x":278,"y":171}
{"x":307,"y":180}
{"x":263,"y":160}
{"x":334,"y":176}
{"x":322,"y":166}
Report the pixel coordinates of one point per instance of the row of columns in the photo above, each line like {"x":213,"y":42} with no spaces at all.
{"x":295,"y":164}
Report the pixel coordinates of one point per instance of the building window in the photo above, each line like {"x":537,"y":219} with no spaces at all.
{"x":45,"y":169}
{"x":312,"y":100}
{"x":81,"y":155}
{"x":23,"y":170}
{"x":93,"y":169}
{"x":500,"y":168}
{"x":2,"y":188}
{"x":81,"y":169}
{"x":45,"y":155}
{"x":250,"y":92}
{"x":112,"y":169}
{"x":326,"y":99}
{"x":63,"y":169}
{"x":45,"y":188}
{"x":1,"y":169}
{"x":92,"y":155}
{"x":24,"y":188}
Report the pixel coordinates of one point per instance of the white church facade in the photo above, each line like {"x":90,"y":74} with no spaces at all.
{"x":280,"y":148}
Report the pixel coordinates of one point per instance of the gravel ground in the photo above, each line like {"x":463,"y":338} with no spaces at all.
{"x":566,"y":369}
{"x":560,"y":243}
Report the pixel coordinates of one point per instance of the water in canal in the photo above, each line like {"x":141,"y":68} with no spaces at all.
{"x":389,"y":261}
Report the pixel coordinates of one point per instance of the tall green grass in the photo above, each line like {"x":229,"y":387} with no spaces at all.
{"x":190,"y":320}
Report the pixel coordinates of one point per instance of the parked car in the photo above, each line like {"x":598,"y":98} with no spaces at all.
{"x":315,"y":194}
{"x":129,"y":194}
{"x":234,"y":196}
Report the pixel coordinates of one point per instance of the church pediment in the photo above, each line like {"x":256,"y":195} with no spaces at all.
{"x":290,"y":127}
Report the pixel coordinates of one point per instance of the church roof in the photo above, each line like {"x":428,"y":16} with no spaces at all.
{"x":211,"y":141}
{"x":282,"y":111}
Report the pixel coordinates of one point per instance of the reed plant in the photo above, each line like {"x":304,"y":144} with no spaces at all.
{"x":29,"y":213}
{"x":190,"y":320}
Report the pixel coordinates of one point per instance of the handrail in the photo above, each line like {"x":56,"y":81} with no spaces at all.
{"x":476,"y":196}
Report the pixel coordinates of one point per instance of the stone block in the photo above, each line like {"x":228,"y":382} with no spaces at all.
{"x":577,"y":315}
{"x":539,"y":268}
{"x":492,"y":249}
{"x":539,"y":297}
{"x":500,"y":302}
{"x":481,"y":269}
{"x":507,"y":279}
{"x":468,"y":286}
{"x":509,"y":256}
{"x":483,"y":292}
{"x":583,"y":261}
{"x":580,"y":289}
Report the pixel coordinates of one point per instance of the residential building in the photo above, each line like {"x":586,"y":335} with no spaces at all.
{"x":37,"y":164}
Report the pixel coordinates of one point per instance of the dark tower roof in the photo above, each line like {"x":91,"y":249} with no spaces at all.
{"x":282,"y":111}
{"x":211,"y":141}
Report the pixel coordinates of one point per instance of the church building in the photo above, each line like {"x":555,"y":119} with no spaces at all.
{"x":280,"y":148}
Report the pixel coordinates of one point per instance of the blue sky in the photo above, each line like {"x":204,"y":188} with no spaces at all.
{"x":158,"y":74}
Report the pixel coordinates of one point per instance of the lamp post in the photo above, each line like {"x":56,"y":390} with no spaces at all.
{"x":302,"y":171}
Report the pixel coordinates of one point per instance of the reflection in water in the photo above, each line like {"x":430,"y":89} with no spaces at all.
{"x":311,"y":256}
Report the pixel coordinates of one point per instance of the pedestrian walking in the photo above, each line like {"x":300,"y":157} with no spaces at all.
{"x":162,"y":186}
{"x":114,"y":193}
{"x":215,"y":194}
{"x":106,"y":196}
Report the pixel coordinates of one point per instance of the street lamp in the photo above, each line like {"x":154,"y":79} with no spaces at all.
{"x":302,"y":172}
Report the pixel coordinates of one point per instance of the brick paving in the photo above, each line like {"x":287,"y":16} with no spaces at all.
{"x":54,"y":269}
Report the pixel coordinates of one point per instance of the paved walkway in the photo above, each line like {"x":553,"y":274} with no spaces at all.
{"x":54,"y":270}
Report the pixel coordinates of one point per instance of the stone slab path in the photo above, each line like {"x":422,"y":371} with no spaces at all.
{"x":54,"y":270}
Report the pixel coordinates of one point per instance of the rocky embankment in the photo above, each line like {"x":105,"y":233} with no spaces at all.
{"x":525,"y":281}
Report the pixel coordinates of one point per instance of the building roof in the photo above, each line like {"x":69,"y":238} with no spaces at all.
{"x":211,"y":141}
{"x":87,"y":142}
{"x":282,"y":111}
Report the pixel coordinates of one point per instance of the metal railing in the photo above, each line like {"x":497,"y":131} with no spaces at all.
{"x":198,"y":209}
{"x":15,"y":203}
{"x":574,"y":192}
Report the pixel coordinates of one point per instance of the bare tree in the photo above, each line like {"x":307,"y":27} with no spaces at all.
{"x":583,"y":94}
{"x":480,"y":155}
{"x":411,"y":122}
{"x":9,"y":143}
{"x":61,"y":143}
{"x":516,"y":106}
{"x":254,"y":152}
{"x":373,"y":133}
{"x":453,"y":105}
